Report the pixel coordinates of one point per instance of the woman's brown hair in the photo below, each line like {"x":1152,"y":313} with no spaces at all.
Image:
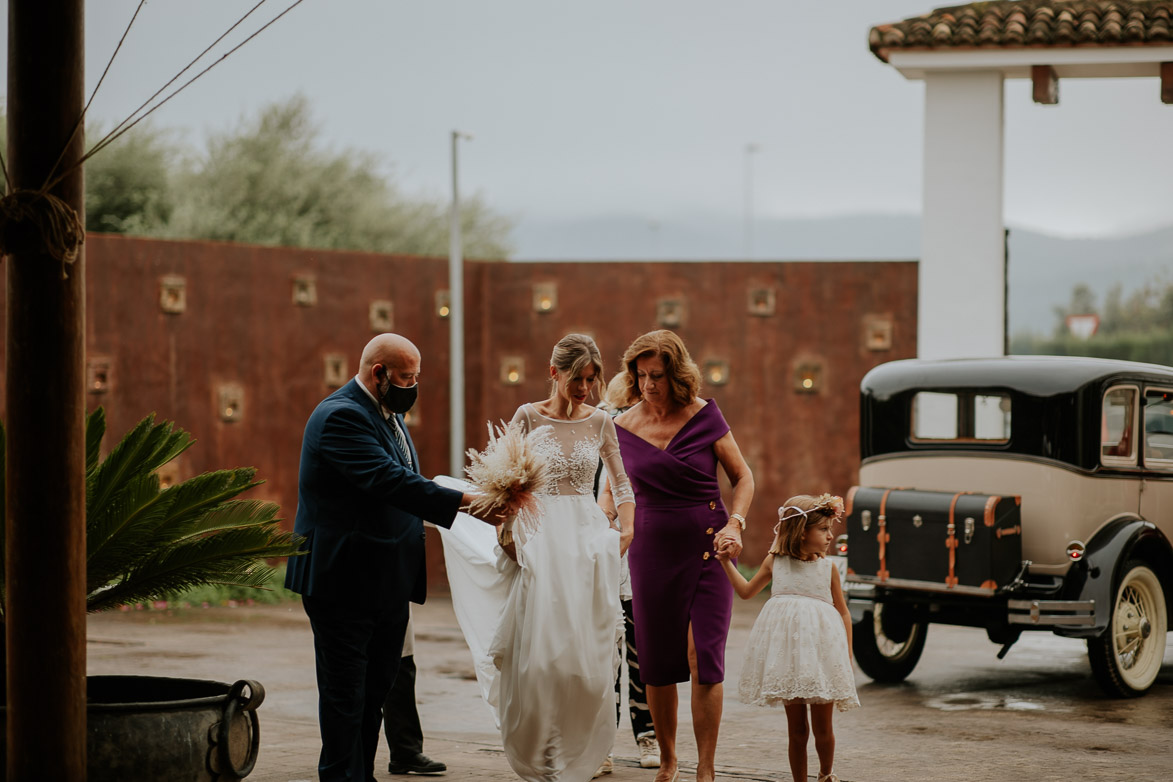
{"x":681,"y":372}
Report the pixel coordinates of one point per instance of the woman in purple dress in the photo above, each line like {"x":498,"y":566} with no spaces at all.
{"x":671,"y":442}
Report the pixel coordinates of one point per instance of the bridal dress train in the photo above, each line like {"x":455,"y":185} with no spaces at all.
{"x":544,"y":631}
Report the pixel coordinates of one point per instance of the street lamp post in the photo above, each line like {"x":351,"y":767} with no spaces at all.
{"x":455,"y":325}
{"x":750,"y":150}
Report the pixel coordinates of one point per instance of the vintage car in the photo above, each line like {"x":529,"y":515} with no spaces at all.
{"x":1012,"y":494}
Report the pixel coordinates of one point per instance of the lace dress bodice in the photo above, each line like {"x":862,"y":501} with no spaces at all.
{"x":574,"y":451}
{"x":803,"y":578}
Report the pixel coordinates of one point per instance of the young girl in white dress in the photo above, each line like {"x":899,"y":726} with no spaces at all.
{"x":542,"y":616}
{"x":799,"y":651}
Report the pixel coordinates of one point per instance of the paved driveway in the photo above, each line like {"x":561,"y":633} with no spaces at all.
{"x":963,"y":715}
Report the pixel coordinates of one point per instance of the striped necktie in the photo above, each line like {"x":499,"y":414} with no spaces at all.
{"x":400,"y":437}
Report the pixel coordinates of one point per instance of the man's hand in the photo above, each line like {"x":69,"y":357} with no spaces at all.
{"x":494,"y":516}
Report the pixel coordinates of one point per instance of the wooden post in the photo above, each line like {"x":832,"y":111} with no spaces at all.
{"x":1045,"y":84}
{"x":1167,"y":82}
{"x":45,"y":535}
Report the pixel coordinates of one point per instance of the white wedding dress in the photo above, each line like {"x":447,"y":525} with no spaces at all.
{"x":544,"y":631}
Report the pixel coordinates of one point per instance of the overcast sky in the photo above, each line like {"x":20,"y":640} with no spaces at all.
{"x":637,"y":107}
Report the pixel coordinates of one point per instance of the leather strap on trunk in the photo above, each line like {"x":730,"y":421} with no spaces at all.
{"x":951,"y":541}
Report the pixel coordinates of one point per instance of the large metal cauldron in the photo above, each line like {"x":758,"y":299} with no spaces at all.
{"x":178,"y":730}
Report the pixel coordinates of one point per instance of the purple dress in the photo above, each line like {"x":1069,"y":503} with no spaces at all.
{"x":675,"y":577}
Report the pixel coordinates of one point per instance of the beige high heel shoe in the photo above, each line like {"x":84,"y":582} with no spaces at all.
{"x":829,"y":778}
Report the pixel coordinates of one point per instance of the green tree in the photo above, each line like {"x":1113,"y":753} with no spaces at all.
{"x":128,"y":184}
{"x":1146,"y":309}
{"x":269,"y":182}
{"x":1137,"y":327}
{"x":1083,"y":302}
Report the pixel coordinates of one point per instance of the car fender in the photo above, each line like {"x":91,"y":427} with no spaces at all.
{"x":1097,"y":575}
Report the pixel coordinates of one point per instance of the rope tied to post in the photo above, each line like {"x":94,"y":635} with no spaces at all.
{"x":36,"y":222}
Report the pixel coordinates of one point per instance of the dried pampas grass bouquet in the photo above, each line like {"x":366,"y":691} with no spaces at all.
{"x":510,"y":474}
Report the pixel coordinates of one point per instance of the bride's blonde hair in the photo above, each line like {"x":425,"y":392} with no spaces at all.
{"x":572,"y":354}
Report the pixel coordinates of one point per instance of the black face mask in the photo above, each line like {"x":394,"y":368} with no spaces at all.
{"x":398,"y":399}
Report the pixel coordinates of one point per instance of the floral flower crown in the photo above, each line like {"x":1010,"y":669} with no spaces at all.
{"x":826,"y":504}
{"x":830,"y":503}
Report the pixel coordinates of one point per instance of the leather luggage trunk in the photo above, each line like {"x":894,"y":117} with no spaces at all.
{"x":939,"y":541}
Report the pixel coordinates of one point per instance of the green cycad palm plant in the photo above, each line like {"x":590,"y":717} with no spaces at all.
{"x":144,"y":542}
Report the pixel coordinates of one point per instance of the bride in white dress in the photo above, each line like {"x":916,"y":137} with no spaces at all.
{"x":544,"y":629}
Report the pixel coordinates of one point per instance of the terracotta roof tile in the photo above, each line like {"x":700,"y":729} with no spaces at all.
{"x":1021,"y":23}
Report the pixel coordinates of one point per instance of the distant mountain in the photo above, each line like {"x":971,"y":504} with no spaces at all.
{"x":716,"y":238}
{"x":1043,"y":269}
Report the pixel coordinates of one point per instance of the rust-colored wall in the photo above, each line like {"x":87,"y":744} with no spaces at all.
{"x":793,"y":442}
{"x":241,"y":326}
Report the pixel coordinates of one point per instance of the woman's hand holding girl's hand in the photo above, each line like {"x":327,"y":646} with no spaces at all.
{"x":728,"y":540}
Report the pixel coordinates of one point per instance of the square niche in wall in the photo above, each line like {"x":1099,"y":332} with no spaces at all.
{"x":761,"y":301}
{"x":716,"y":372}
{"x":335,"y":373}
{"x":545,"y":297}
{"x":443,"y":304}
{"x":97,"y":375}
{"x":877,"y":332}
{"x":808,"y":376}
{"x":512,"y":370}
{"x":170,"y":473}
{"x":381,"y":315}
{"x":172,"y":294}
{"x":669,"y":312}
{"x":230,"y":398}
{"x":305,"y":290}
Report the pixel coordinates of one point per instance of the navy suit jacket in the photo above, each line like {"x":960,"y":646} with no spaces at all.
{"x":361,"y":507}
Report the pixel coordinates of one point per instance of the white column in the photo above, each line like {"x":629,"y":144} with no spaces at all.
{"x":961,"y":307}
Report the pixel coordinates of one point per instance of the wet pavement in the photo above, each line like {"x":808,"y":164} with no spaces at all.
{"x":962,"y":715}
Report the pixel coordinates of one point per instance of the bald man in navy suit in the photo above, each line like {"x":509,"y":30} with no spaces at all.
{"x":361,"y":503}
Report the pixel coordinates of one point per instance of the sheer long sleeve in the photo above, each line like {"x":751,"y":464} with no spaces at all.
{"x":609,"y":451}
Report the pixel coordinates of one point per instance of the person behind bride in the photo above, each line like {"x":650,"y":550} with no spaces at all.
{"x":547,"y":665}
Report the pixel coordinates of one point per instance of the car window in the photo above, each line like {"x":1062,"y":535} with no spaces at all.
{"x":1158,"y":429}
{"x":934,"y":416}
{"x":1117,"y":424}
{"x":991,"y":417}
{"x":962,"y":416}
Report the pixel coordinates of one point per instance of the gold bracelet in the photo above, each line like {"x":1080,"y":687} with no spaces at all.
{"x":739,"y":518}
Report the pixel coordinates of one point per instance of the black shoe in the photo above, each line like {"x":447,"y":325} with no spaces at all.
{"x":416,"y":764}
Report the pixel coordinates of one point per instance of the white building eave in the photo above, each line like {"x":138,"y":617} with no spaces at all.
{"x":1077,"y":62}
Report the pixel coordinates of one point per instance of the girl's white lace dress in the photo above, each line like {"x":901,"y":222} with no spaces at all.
{"x":544,"y":631}
{"x":797,"y":650}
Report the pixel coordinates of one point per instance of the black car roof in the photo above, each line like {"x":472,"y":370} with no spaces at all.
{"x":1035,"y":375}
